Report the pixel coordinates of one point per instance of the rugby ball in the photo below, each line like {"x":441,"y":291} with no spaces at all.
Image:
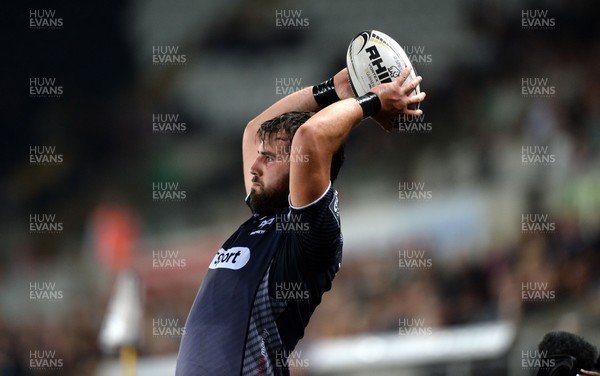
{"x":374,"y":58}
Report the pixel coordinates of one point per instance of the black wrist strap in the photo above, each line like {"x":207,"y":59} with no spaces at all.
{"x":324,"y":93}
{"x":370,"y":104}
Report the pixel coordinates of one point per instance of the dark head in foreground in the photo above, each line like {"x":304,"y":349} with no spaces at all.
{"x":565,"y":354}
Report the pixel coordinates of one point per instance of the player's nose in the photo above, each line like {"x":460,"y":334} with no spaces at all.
{"x":255,"y":168}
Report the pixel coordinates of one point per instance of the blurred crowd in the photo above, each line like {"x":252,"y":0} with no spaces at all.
{"x":374,"y":294}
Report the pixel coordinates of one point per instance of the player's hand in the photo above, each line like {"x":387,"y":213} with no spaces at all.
{"x":342,"y":84}
{"x":396,"y":99}
{"x":589,"y":373}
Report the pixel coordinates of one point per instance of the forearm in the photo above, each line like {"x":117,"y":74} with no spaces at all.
{"x":321,"y":136}
{"x":302,"y":100}
{"x":314,"y":145}
{"x":333,"y":123}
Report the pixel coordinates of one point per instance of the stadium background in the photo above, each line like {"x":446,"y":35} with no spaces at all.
{"x":473,"y":165}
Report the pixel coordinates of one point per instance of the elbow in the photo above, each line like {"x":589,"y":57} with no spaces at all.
{"x":309,"y":137}
{"x":250,"y":130}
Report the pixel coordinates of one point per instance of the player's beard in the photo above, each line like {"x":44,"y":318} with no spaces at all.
{"x":269,"y":201}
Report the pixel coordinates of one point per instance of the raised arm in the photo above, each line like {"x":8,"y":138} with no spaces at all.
{"x":322,"y":135}
{"x":302,"y":100}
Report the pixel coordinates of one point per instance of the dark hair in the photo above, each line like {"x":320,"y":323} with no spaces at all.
{"x":564,"y":344}
{"x":289,"y":124}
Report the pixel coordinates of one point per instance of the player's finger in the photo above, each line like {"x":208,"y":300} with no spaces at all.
{"x":417,"y":98}
{"x":403,"y":76}
{"x":412,"y":85}
{"x":417,"y":112}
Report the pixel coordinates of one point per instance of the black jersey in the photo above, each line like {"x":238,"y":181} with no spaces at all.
{"x":260,"y":290}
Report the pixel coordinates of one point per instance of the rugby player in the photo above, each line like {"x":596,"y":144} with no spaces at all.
{"x":267,"y":279}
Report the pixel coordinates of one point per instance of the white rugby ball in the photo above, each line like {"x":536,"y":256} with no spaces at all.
{"x":374,"y":58}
